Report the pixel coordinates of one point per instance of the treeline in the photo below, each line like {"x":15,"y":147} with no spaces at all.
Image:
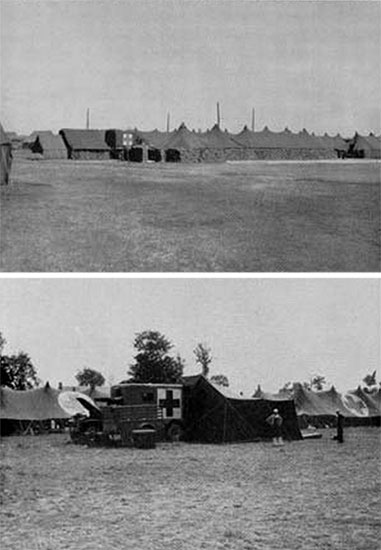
{"x":17,"y":370}
{"x":154,"y":362}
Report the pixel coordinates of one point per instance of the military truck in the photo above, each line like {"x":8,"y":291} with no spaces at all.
{"x":132,"y":407}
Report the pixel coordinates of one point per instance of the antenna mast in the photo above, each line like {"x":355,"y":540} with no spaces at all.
{"x":253,"y":119}
{"x":218,"y":115}
{"x":87,"y":119}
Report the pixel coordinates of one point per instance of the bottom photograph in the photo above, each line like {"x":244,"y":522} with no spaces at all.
{"x":190,"y":413}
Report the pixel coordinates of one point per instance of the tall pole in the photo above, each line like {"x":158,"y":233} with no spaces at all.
{"x":218,"y":115}
{"x":253,"y":120}
{"x":168,"y":119}
{"x":87,"y":119}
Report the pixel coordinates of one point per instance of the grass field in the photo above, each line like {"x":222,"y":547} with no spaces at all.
{"x":115,"y":217}
{"x":311,"y":495}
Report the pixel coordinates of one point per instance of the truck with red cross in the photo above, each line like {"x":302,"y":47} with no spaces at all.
{"x":135,"y":406}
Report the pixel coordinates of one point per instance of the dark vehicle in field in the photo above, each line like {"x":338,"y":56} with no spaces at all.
{"x":133,"y":407}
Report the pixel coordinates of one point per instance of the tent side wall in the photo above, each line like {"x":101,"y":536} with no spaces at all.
{"x":49,"y":148}
{"x":5,"y":163}
{"x":5,"y":157}
{"x":37,"y":404}
{"x":365,"y":147}
{"x":211,"y":154}
{"x":275,"y":153}
{"x":329,"y":421}
{"x":67,"y":144}
{"x":183,"y":155}
{"x":203,"y":154}
{"x":54,"y":154}
{"x":210,"y":417}
{"x":369,"y":153}
{"x":257,"y":411}
{"x":85,"y":144}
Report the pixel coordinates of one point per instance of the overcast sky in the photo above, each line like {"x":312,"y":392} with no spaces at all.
{"x":267,"y":331}
{"x":300,"y":63}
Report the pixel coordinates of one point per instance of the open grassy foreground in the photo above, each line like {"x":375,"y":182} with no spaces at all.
{"x":307,"y":495}
{"x":259,"y":216}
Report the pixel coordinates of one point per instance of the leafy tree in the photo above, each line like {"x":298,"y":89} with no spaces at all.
{"x":17,"y":372}
{"x":90,"y":377}
{"x":220,"y":380}
{"x":317,"y":382}
{"x":153,"y":364}
{"x":370,"y":379}
{"x":204,"y":357}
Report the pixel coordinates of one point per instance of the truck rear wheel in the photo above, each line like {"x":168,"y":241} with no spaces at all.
{"x":175,"y":432}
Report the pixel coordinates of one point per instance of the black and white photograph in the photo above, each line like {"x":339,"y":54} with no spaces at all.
{"x":190,"y":274}
{"x":190,"y":136}
{"x":190,"y":414}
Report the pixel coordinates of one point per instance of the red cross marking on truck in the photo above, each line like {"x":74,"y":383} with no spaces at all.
{"x":169,"y":403}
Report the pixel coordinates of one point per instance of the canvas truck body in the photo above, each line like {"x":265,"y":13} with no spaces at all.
{"x":143,"y":403}
{"x":132,"y":407}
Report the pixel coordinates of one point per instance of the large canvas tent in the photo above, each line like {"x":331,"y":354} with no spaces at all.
{"x":85,"y":144}
{"x":365,"y":146}
{"x":337,"y":143}
{"x":212,"y":415}
{"x":50,"y":146}
{"x":155,"y":138}
{"x":319,"y":407}
{"x":6,"y":157}
{"x":284,"y":145}
{"x":371,"y":400}
{"x":220,"y":146}
{"x":42,"y":404}
{"x":184,"y":146}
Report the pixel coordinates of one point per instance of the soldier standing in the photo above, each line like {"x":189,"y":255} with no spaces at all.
{"x":340,"y":427}
{"x":275,"y":420}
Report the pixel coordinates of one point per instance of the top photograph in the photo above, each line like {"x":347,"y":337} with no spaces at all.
{"x":170,"y":136}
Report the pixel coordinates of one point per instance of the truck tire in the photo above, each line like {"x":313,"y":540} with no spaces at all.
{"x":175,"y":432}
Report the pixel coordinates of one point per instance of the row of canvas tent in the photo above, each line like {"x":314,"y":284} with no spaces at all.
{"x":359,"y":407}
{"x":214,"y":414}
{"x":211,"y":414}
{"x":184,"y":145}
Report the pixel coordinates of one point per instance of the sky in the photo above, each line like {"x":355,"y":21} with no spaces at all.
{"x":261,"y":331}
{"x":313,"y":64}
